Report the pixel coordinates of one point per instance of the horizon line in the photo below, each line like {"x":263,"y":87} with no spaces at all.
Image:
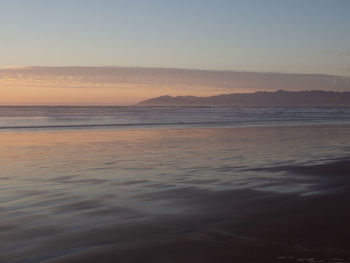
{"x":136,"y":104}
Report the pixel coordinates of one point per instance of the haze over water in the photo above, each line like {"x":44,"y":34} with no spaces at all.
{"x":75,"y":189}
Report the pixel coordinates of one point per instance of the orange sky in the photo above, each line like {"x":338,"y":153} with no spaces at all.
{"x":15,"y":92}
{"x":80,"y":86}
{"x":127,"y":86}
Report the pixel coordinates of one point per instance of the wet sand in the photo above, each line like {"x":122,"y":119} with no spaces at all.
{"x":227,"y":225}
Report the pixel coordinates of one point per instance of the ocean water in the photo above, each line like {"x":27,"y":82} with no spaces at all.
{"x":155,"y":117}
{"x":82,"y":184}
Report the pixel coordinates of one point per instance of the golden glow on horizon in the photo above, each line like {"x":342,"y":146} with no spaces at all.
{"x":56,"y":93}
{"x":29,"y":85}
{"x":22,"y":88}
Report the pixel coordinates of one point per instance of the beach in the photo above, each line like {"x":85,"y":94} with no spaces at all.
{"x":175,"y":131}
{"x":222,"y":194}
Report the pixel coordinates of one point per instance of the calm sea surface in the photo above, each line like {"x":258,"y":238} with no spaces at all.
{"x":154,"y":117}
{"x":72,"y":176}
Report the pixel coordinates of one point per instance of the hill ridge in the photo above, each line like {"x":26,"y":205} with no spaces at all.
{"x":306,"y":98}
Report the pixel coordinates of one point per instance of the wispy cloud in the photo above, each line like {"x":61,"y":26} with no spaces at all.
{"x":337,"y":53}
{"x":127,"y":85}
{"x":16,"y":67}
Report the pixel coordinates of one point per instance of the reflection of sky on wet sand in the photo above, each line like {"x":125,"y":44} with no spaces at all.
{"x":69,"y":181}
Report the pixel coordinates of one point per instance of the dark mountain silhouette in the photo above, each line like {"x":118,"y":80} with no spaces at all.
{"x":313,"y":98}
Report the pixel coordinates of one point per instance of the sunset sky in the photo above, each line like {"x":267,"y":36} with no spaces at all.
{"x":43,"y":40}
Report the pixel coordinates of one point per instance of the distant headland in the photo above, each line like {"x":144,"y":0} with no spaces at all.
{"x":280,"y":98}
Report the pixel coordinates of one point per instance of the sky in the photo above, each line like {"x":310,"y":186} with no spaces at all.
{"x":290,"y":36}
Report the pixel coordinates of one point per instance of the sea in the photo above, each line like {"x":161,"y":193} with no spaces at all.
{"x":69,"y":118}
{"x":174,"y":184}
